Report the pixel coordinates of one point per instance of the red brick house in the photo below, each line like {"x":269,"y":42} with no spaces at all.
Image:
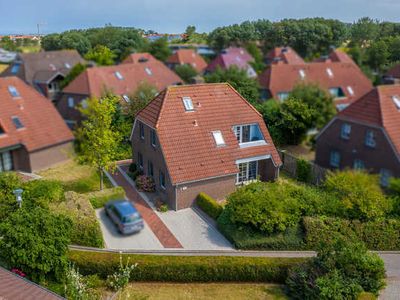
{"x":187,"y":57}
{"x":44,"y":70}
{"x":140,"y":57}
{"x":232,"y":56}
{"x":33,"y":136}
{"x":365,"y":135}
{"x":284,"y":55}
{"x":202,"y":138}
{"x":338,"y":74}
{"x":122,"y":80}
{"x":393,"y":75}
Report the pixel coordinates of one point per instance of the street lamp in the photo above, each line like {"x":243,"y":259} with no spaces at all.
{"x":18,"y":196}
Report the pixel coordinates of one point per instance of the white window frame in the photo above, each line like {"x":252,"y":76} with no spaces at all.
{"x":13,"y":91}
{"x":188,"y":103}
{"x":71,"y":102}
{"x":218,"y":138}
{"x":67,"y":65}
{"x":302,"y":74}
{"x":345,"y":134}
{"x":126,"y":98}
{"x":247,"y":179}
{"x":148,"y":71}
{"x":350,"y":90}
{"x":119,"y":75}
{"x":239,"y":136}
{"x":396,"y":101}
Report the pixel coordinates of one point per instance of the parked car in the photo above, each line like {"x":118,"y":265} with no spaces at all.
{"x":125,"y":216}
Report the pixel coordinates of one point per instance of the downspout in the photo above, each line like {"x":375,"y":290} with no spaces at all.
{"x":176,"y":199}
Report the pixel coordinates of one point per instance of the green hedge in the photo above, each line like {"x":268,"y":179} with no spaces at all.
{"x":187,"y":268}
{"x":99,"y":198}
{"x":209,"y":205}
{"x":246,"y":237}
{"x":377,"y":235}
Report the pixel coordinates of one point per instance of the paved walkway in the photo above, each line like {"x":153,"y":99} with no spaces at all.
{"x":392,"y":266}
{"x":161,"y":231}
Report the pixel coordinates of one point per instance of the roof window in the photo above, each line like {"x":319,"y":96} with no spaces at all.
{"x":219,"y":139}
{"x":67,"y":65}
{"x":329,"y":72}
{"x":350,"y":90}
{"x":396,"y":100}
{"x":302,"y":74}
{"x":148,"y":71}
{"x":2,"y":131}
{"x":187,"y":101}
{"x":17,"y":122}
{"x":119,"y":75}
{"x":13,"y":91}
{"x":52,"y":67}
{"x":126,"y":98}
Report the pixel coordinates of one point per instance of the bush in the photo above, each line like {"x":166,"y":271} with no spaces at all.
{"x":248,"y":238}
{"x":100,"y":198}
{"x":377,"y":235}
{"x":135,"y":174}
{"x":133,"y":167}
{"x":341,"y":270}
{"x":145,"y":184}
{"x":303,"y":170}
{"x":209,"y":205}
{"x":187,"y":268}
{"x":44,"y":192}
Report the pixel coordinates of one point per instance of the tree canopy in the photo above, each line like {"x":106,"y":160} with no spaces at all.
{"x":101,"y":55}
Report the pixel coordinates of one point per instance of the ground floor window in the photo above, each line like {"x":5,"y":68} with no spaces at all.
{"x":6,"y":163}
{"x":385,"y":177}
{"x":247,"y":171}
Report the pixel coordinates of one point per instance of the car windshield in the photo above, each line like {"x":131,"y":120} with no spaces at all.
{"x":131,"y":218}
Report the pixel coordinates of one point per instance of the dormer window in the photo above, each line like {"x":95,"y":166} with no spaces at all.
{"x":218,"y":138}
{"x":329,"y":72}
{"x":350,"y":90}
{"x":13,"y":91}
{"x":249,"y":134}
{"x":126,"y":98}
{"x":188,"y":103}
{"x":337,"y":92}
{"x":119,"y":75}
{"x":148,"y":71}
{"x":396,"y":101}
{"x":17,"y":123}
{"x":302,"y":74}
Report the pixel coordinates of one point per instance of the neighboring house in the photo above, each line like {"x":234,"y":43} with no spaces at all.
{"x":121,"y":80}
{"x":33,"y":136}
{"x":13,"y":286}
{"x":233,"y":57}
{"x":284,"y":55}
{"x":187,"y":57}
{"x":7,"y":56}
{"x":366,"y":135}
{"x":338,"y":74}
{"x":44,"y":70}
{"x":140,"y":57}
{"x":202,"y":138}
{"x":392,"y":76}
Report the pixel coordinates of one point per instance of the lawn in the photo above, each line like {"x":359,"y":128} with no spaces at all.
{"x":3,"y":67}
{"x":76,"y":177}
{"x":202,"y":291}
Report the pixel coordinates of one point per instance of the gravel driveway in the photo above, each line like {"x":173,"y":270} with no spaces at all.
{"x":144,"y":239}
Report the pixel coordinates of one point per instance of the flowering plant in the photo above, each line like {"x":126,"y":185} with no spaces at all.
{"x":18,"y":272}
{"x":145,"y":183}
{"x":120,"y":278}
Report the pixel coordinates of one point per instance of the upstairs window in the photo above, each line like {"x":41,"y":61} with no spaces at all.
{"x":153,"y":138}
{"x":218,"y":138}
{"x":141,"y":130}
{"x":15,"y":68}
{"x":17,"y":123}
{"x":13,"y":91}
{"x":334,"y":159}
{"x":370,"y":139}
{"x":337,"y":92}
{"x":345,"y":131}
{"x":119,"y":75}
{"x":148,"y":71}
{"x":248,"y":133}
{"x":71,"y":102}
{"x":358,"y":164}
{"x":396,"y":101}
{"x":187,"y":102}
{"x":282,"y":96}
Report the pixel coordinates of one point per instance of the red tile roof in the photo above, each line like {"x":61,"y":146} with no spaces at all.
{"x":190,"y":57}
{"x":135,"y":58}
{"x":186,"y":137}
{"x":94,"y":81}
{"x":378,"y":108}
{"x":280,"y":78}
{"x":43,"y":126}
{"x":394,"y":72}
{"x":284,"y":55}
{"x":13,"y":287}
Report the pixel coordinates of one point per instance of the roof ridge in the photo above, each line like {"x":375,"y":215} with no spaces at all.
{"x":244,"y":99}
{"x":162,"y":106}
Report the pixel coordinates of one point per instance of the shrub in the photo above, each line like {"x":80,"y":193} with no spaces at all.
{"x":100,"y":198}
{"x":86,"y":229}
{"x":120,"y":278}
{"x":303,"y":170}
{"x":187,"y":268}
{"x":209,"y":205}
{"x":163,"y":208}
{"x":133,"y":167}
{"x":341,"y":270}
{"x":75,"y":286}
{"x":246,"y":237}
{"x":44,"y":192}
{"x":145,"y":184}
{"x":360,"y":194}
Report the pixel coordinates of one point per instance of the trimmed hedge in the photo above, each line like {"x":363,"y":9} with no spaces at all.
{"x":377,"y":235}
{"x":209,"y":205}
{"x":187,"y":268}
{"x":246,"y":237}
{"x":99,"y":198}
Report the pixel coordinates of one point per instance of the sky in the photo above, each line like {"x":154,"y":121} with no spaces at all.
{"x":172,"y":16}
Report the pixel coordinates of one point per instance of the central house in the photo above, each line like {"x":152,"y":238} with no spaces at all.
{"x":202,"y":138}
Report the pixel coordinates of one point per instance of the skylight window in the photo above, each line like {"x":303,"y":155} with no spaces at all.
{"x":148,"y":71}
{"x":15,"y":68}
{"x":187,"y":101}
{"x":13,"y":91}
{"x":329,"y":72}
{"x":17,"y":122}
{"x":67,"y":65}
{"x":126,"y":98}
{"x":350,"y":90}
{"x":302,"y":74}
{"x":119,"y":75}
{"x":219,"y":139}
{"x":52,"y":67}
{"x":396,"y":100}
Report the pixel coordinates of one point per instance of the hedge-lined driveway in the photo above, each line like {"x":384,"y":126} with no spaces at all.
{"x":144,"y":239}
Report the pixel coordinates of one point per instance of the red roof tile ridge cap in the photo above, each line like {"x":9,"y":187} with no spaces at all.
{"x":162,"y":106}
{"x":247,"y":102}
